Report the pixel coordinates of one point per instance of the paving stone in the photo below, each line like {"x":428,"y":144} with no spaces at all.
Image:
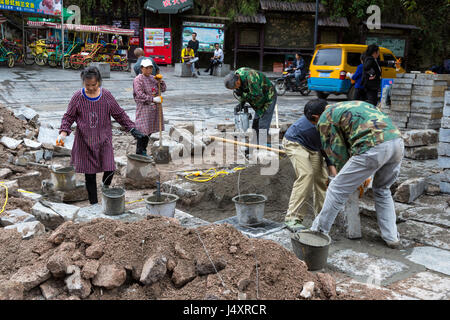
{"x":10,"y":143}
{"x":422,"y":153}
{"x":444,"y":162}
{"x":403,"y":81}
{"x":424,"y":286}
{"x":365,"y":291}
{"x":24,"y":113}
{"x":15,"y":216}
{"x":30,"y":195}
{"x":49,"y":136}
{"x":444,"y":149}
{"x":410,"y":190}
{"x":425,"y":234}
{"x":429,"y":215}
{"x":432,"y":258}
{"x":444,"y":135}
{"x":445,"y":122}
{"x":56,"y":216}
{"x":417,"y":138}
{"x":28,"y":230}
{"x":444,"y":187}
{"x":363,"y":265}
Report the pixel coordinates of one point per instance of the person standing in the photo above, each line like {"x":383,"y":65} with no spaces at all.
{"x":148,"y":104}
{"x":361,"y":141}
{"x":195,"y":44}
{"x":304,"y":149}
{"x":92,"y":108}
{"x":216,"y":59}
{"x":188,"y":57}
{"x":254,"y":88}
{"x":139,"y":53}
{"x":360,"y":93}
{"x":372,"y":73}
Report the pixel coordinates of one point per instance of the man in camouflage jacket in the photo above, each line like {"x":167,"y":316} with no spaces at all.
{"x":254,"y":88}
{"x":360,"y":141}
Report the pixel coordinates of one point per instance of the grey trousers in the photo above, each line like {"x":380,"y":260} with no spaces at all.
{"x":384,"y":162}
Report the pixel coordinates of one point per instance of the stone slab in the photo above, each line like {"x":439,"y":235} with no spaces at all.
{"x":422,"y":153}
{"x":222,"y":70}
{"x":403,"y":81}
{"x":445,"y":122}
{"x":48,"y":135}
{"x":410,"y":190}
{"x":430,"y":215}
{"x":10,"y":143}
{"x":349,"y":220}
{"x":444,"y":187}
{"x":365,"y":266}
{"x":428,"y":99}
{"x":32,"y":144}
{"x":424,"y":233}
{"x":104,"y":68}
{"x":444,"y":149}
{"x":182,"y":70}
{"x":424,"y":286}
{"x":56,"y":215}
{"x":417,"y":138}
{"x":15,"y":216}
{"x":28,"y":230}
{"x":424,"y":82}
{"x":444,"y":135}
{"x":432,"y":258}
{"x":24,"y":113}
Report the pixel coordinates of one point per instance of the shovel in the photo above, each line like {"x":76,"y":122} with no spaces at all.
{"x":161,"y":154}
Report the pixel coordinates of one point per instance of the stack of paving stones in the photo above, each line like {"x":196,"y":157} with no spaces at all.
{"x":444,"y":146}
{"x":421,"y":144}
{"x":417,"y":100}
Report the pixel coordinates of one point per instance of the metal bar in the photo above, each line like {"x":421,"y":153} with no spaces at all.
{"x":316,"y":24}
{"x":246,"y":144}
{"x":62,"y":34}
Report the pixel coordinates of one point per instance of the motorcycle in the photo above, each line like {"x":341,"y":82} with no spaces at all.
{"x":287,"y":82}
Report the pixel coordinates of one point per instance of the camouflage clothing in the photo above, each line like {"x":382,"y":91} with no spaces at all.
{"x":256,"y":89}
{"x":352,"y":128}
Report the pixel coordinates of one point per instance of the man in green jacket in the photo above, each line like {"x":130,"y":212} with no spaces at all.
{"x":254,"y":88}
{"x":360,"y":141}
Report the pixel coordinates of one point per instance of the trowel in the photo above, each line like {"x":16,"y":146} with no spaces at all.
{"x":161,"y":154}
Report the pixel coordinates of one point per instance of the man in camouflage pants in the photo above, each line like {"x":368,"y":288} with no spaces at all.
{"x":254,"y":88}
{"x":360,"y":141}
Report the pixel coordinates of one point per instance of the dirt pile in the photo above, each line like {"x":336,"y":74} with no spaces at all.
{"x":152,"y":259}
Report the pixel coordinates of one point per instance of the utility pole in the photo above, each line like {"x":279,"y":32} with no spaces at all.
{"x":316,"y":24}
{"x":62,"y":34}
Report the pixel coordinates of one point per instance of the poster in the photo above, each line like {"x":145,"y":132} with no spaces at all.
{"x":397,"y":46}
{"x":207,"y":36}
{"x":49,"y":7}
{"x":134,"y":25}
{"x":153,"y":37}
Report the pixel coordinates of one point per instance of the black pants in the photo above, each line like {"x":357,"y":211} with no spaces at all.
{"x":142,"y":144}
{"x":212,"y":65}
{"x":372,"y":96}
{"x":360,"y":95}
{"x":91,"y":184}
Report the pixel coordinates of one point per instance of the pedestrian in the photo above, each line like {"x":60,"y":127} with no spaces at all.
{"x":92,"y":108}
{"x":304,"y":149}
{"x":139,"y":53}
{"x":216,"y":59}
{"x":361,"y":141}
{"x":360,"y":93}
{"x":148,"y":104}
{"x":372,"y":73}
{"x":195,"y":44}
{"x":254,"y":88}
{"x":188,"y":57}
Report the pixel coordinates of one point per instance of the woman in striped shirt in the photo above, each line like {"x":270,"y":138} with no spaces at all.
{"x":91,"y":108}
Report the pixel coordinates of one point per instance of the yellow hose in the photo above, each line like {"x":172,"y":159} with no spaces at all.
{"x":6,"y":200}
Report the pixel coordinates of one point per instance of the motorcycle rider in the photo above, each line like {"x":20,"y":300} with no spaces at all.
{"x":299,"y":67}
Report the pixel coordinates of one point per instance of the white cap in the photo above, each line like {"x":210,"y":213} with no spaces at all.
{"x":146,"y":63}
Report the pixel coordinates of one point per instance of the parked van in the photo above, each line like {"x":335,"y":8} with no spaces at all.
{"x":331,"y":62}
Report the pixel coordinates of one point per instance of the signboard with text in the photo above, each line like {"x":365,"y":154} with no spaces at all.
{"x":49,"y":7}
{"x":207,"y":34}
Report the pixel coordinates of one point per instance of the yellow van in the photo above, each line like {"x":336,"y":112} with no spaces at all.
{"x":331,"y":62}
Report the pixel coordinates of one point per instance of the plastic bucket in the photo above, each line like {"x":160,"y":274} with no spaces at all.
{"x":250,"y":208}
{"x":311,"y":247}
{"x":139,"y":167}
{"x":165,"y":207}
{"x":113,"y":201}
{"x":64,"y":179}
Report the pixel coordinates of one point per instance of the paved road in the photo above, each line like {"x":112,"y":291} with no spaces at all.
{"x":187,"y":99}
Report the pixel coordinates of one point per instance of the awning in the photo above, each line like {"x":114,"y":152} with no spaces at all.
{"x":83,"y":28}
{"x":168,"y":6}
{"x":2,"y":20}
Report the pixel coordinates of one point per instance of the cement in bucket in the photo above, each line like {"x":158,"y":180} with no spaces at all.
{"x":311,"y":247}
{"x":64,"y":179}
{"x":113,"y":201}
{"x":165,"y":207}
{"x":250,"y":209}
{"x":139,"y":167}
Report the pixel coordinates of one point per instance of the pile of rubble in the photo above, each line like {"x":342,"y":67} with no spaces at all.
{"x":155,"y":258}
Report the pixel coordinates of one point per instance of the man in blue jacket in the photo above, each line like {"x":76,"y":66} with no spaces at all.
{"x":299,"y":67}
{"x":360,"y":93}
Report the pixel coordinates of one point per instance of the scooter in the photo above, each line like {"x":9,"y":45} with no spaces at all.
{"x":287,"y":82}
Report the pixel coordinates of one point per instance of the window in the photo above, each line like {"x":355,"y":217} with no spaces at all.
{"x":353,"y":59}
{"x":389,"y":57}
{"x":328,"y":57}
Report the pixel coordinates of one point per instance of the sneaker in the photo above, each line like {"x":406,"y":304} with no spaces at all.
{"x":198,"y":72}
{"x":394,"y":245}
{"x":294,"y":226}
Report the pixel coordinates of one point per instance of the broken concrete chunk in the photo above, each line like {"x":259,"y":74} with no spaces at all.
{"x":410,"y":190}
{"x":25,"y":113}
{"x":95,"y":251}
{"x":183,"y":273}
{"x":16,"y":216}
{"x":5,"y":173}
{"x":11,"y":290}
{"x":51,"y":289}
{"x":308,"y":290}
{"x":109,"y":276}
{"x":32,"y":144}
{"x":154,"y":269}
{"x":204,"y":265}
{"x":28,"y":230}
{"x":76,"y":285}
{"x":57,"y":264}
{"x":10,"y":143}
{"x":90,"y":269}
{"x":417,"y":138}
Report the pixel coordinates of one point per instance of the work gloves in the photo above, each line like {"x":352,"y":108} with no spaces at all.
{"x":158,"y":100}
{"x":60,"y":141}
{"x":136,"y":133}
{"x":349,"y":75}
